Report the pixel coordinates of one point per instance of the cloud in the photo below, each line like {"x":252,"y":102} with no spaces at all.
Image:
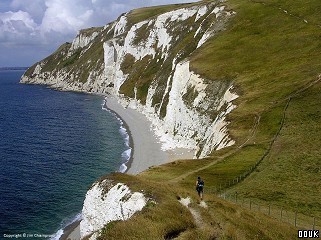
{"x":62,"y":17}
{"x":17,"y":28}
{"x":36,"y":8}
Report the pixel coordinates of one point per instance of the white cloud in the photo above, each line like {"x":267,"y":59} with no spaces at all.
{"x":35,"y":8}
{"x":65,"y":17}
{"x":17,"y":27}
{"x":9,"y":18}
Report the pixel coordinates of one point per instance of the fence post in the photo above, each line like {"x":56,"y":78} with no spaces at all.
{"x":250,"y":204}
{"x":281,"y":213}
{"x":235,"y":197}
{"x":313,"y":223}
{"x":269,"y":209}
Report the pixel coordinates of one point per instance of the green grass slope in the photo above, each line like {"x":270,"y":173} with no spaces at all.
{"x":271,"y":51}
{"x":291,"y":174}
{"x":166,"y":218}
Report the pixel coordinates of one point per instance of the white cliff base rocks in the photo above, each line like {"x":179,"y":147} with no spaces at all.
{"x":105,"y":203}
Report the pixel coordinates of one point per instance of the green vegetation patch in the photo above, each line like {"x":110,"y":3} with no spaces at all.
{"x":128,"y":63}
{"x":90,"y":31}
{"x":142,"y":34}
{"x":140,"y":75}
{"x":174,"y":169}
{"x":141,"y":14}
{"x":30,"y":70}
{"x":52,"y":61}
{"x":190,"y":96}
{"x":72,"y":59}
{"x":222,"y":174}
{"x":290,"y":177}
{"x":86,"y":60}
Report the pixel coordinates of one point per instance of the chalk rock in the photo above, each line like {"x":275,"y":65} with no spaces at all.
{"x":105,"y":203}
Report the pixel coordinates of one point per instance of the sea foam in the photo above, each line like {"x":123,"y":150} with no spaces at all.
{"x":126,"y":155}
{"x":60,"y":232}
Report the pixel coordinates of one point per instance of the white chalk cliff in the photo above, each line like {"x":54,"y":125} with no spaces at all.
{"x":106,"y":202}
{"x":186,"y":110}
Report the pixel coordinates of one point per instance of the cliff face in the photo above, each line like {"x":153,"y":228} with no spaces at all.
{"x":106,"y":202}
{"x":143,"y":60}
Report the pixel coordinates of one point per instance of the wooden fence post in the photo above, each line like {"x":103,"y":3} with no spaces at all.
{"x":250,"y":204}
{"x":313,"y":223}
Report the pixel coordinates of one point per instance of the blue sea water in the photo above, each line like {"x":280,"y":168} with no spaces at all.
{"x":53,"y":146}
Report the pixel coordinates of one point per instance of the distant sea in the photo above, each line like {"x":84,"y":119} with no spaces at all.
{"x":53,"y":146}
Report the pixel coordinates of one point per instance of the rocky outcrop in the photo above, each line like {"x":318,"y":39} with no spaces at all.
{"x":83,"y":39}
{"x":106,"y":202}
{"x":145,"y":64}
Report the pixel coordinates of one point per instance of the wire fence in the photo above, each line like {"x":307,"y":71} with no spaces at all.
{"x":294,"y":218}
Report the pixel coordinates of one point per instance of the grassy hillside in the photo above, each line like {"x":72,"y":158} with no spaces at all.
{"x":271,"y":52}
{"x":167,"y":218}
{"x":290,"y":175}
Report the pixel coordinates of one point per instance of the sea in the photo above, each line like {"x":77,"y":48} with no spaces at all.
{"x":53,"y":146}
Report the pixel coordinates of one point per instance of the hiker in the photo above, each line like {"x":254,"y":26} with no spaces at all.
{"x":199,"y":187}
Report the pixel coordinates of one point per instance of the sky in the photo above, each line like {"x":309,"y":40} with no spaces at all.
{"x":30,"y":30}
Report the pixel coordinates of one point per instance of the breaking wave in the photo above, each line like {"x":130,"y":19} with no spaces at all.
{"x":60,"y":232}
{"x":126,"y":155}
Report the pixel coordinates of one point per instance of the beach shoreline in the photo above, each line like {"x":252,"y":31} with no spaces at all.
{"x":145,"y":149}
{"x":71,"y":231}
{"x":128,"y":132}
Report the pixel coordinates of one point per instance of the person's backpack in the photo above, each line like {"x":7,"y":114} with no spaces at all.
{"x":200,"y":184}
